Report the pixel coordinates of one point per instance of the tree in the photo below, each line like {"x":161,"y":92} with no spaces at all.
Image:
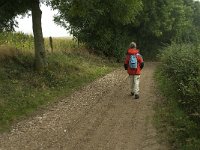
{"x":101,"y":24}
{"x":40,"y":59}
{"x":108,"y":25}
{"x":10,"y":9}
{"x":8,"y":12}
{"x":163,"y":21}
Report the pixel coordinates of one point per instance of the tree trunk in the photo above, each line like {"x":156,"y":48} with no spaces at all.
{"x":40,"y":58}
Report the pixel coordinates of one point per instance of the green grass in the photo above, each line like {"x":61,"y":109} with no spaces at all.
{"x":24,"y":91}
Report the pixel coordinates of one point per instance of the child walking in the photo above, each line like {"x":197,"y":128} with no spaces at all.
{"x":134,"y":64}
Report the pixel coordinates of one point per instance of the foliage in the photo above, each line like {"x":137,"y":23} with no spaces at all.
{"x":100,"y":24}
{"x":181,"y":63}
{"x":164,"y":21}
{"x":172,"y":122}
{"x":9,"y":9}
{"x":179,"y":80}
{"x":108,"y":26}
{"x":23,"y":91}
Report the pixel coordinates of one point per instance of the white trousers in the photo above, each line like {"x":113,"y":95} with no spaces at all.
{"x":134,"y":83}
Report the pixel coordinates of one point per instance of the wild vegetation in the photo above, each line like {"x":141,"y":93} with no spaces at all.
{"x":25,"y":43}
{"x":106,"y":27}
{"x":18,"y":40}
{"x":179,"y":80}
{"x":23,"y":91}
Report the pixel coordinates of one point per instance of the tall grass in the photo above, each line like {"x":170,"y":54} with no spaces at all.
{"x":18,"y":40}
{"x":25,"y":42}
{"x":62,"y":44}
{"x":179,"y":80}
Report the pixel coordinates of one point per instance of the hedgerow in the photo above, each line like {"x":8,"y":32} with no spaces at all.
{"x":181,"y":64}
{"x":178,"y":78}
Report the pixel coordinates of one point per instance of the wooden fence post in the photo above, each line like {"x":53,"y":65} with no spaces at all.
{"x":51,"y":43}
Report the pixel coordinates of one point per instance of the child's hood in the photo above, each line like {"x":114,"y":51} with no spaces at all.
{"x":132,"y":51}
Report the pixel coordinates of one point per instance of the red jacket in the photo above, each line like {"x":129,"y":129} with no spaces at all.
{"x":140,"y":61}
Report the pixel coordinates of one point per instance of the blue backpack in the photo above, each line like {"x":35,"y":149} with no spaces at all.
{"x":133,"y":62}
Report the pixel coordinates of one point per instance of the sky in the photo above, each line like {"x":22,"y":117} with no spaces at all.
{"x":49,"y":28}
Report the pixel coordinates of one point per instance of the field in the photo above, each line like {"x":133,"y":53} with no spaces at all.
{"x":24,"y":42}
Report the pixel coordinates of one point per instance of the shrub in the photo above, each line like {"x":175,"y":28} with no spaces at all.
{"x":179,"y":80}
{"x":181,"y":64}
{"x":174,"y":124}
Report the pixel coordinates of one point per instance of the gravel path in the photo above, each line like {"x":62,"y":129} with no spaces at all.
{"x":101,"y":116}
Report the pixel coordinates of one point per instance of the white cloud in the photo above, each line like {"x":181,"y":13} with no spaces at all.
{"x":49,"y":28}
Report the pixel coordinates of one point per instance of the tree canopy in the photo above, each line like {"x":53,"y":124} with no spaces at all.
{"x":164,"y":21}
{"x":99,"y":23}
{"x":9,"y":9}
{"x":107,"y":26}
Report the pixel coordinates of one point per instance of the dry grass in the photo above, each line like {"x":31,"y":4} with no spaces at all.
{"x":8,"y":52}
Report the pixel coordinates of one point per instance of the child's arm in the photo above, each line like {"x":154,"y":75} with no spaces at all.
{"x":126,"y":62}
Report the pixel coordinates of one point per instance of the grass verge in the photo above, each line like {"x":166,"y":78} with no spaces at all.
{"x":24,"y":91}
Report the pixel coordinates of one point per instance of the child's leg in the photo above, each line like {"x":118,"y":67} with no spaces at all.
{"x":131,"y":82}
{"x":136,"y":84}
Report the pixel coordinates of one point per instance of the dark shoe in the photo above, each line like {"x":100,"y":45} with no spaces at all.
{"x":136,"y":96}
{"x":132,"y":93}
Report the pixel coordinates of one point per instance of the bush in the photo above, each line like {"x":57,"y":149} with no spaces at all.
{"x":179,"y":81}
{"x":181,"y":64}
{"x":175,"y":125}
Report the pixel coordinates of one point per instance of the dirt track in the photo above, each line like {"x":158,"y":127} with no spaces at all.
{"x":101,"y":116}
